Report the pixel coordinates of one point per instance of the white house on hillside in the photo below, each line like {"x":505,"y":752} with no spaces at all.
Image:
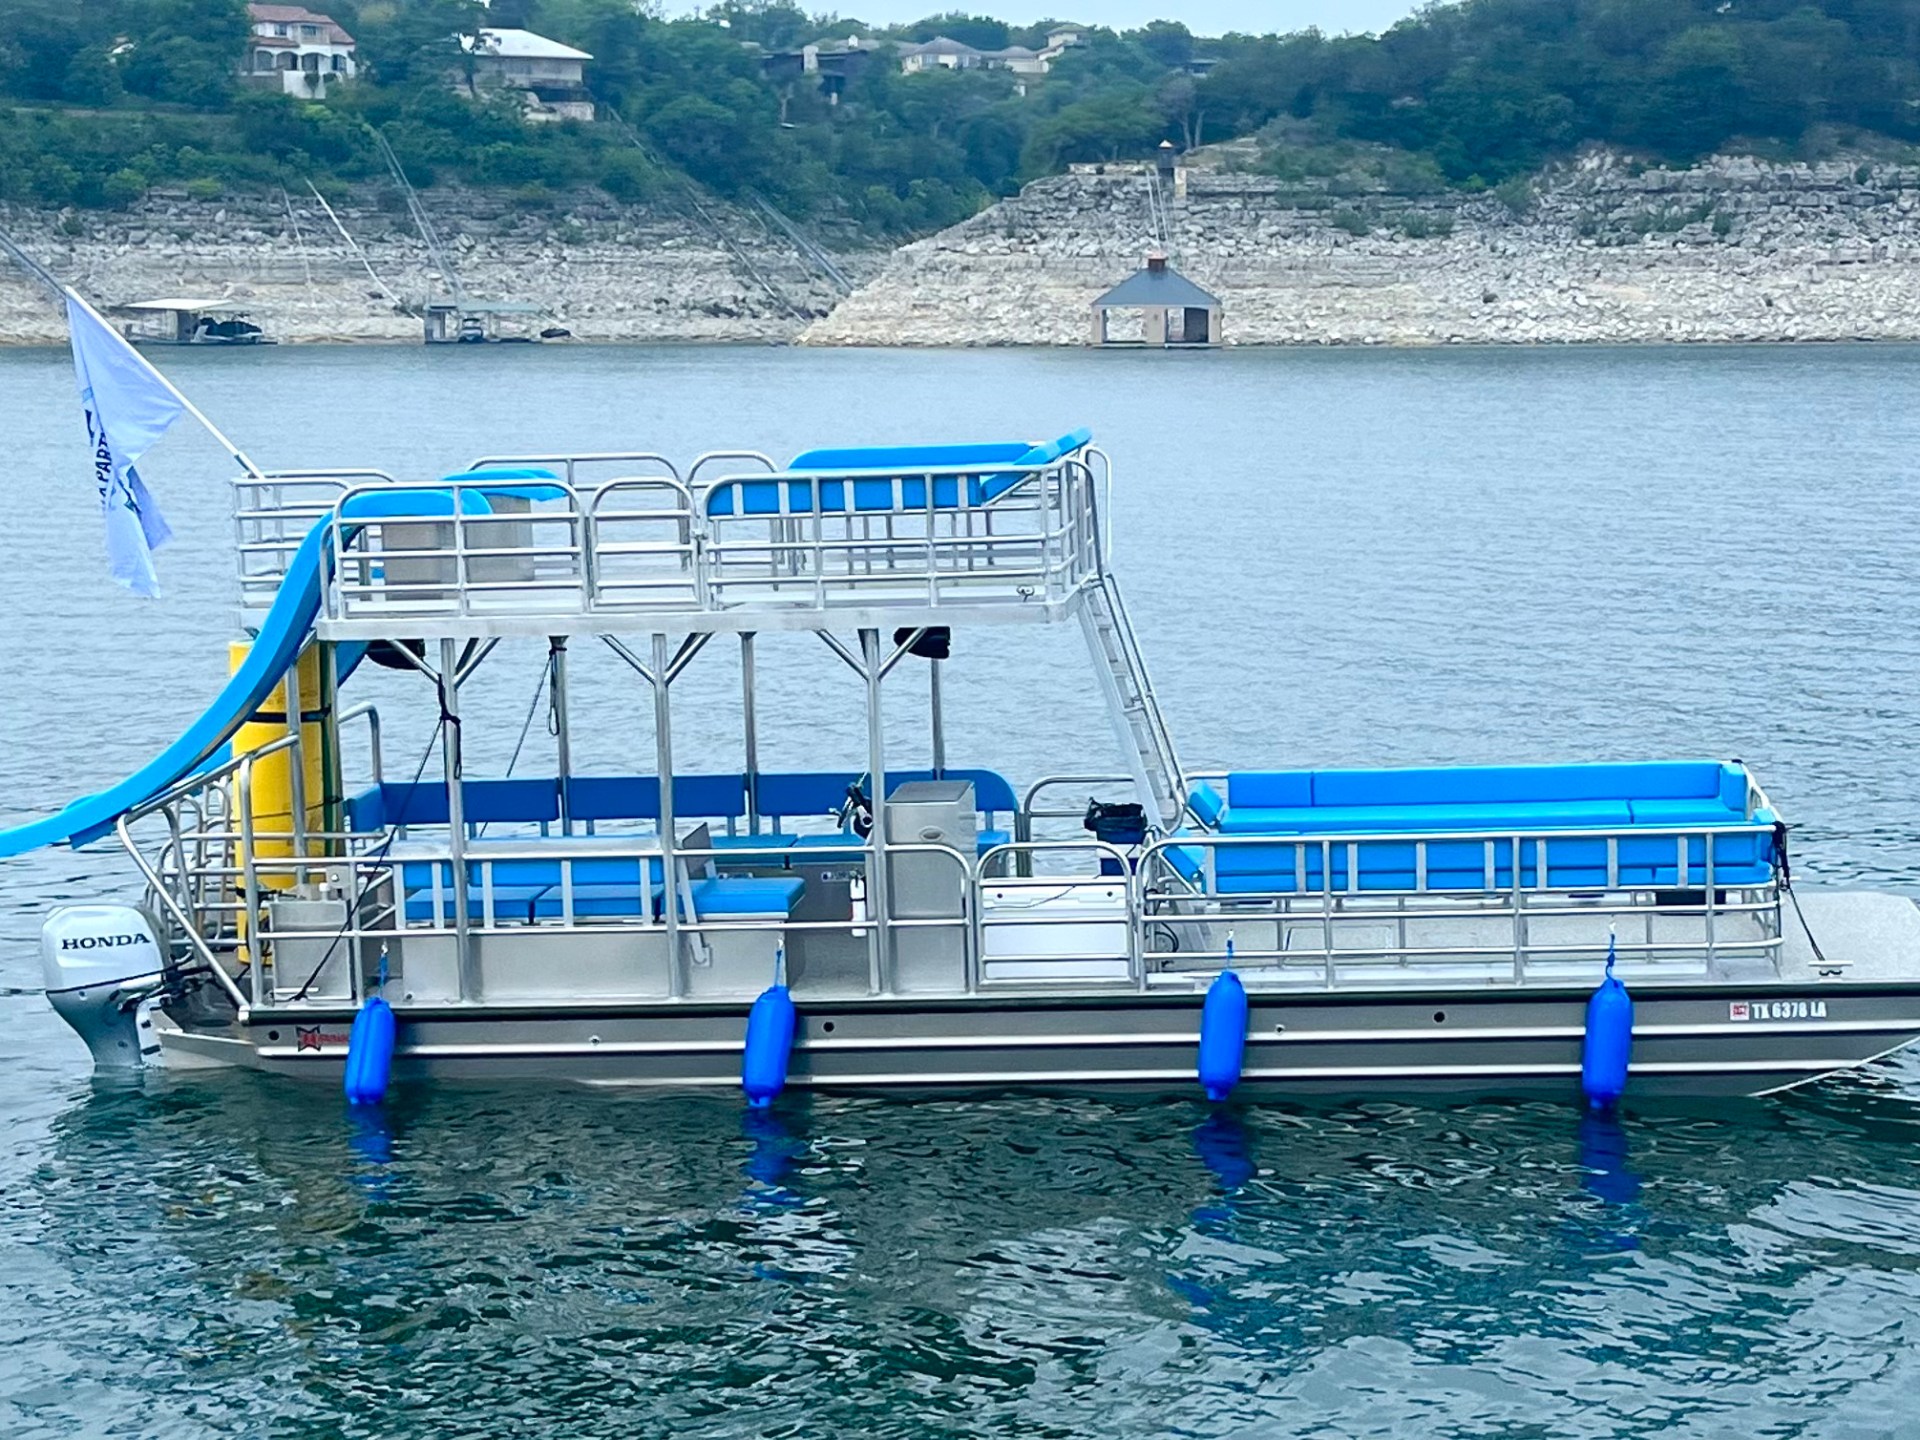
{"x":292,"y":49}
{"x":945,"y":53}
{"x":550,"y":76}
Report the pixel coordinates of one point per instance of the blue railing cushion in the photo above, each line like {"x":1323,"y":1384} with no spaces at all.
{"x":1207,"y":806}
{"x":422,"y":803}
{"x":1482,"y":784}
{"x":1360,"y":819}
{"x":898,"y":458}
{"x":803,"y":792}
{"x":367,"y":812}
{"x":997,"y":485}
{"x":499,"y":801}
{"x":823,"y":792}
{"x":637,"y":797}
{"x":504,"y":801}
{"x":613,"y":797}
{"x":401,"y":503}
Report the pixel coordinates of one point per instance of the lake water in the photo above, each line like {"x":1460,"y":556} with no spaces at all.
{"x":1332,"y":557}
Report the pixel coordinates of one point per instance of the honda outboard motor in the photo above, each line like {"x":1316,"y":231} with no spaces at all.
{"x":99,"y":962}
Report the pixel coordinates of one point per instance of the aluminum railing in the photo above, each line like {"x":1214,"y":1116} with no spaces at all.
{"x":223,"y":898}
{"x":214,"y":875}
{"x":586,"y":470}
{"x":272,"y":515}
{"x":827,"y":541}
{"x":1737,"y":920}
{"x":616,"y":542}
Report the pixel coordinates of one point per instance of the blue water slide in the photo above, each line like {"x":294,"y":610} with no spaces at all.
{"x":283,"y":634}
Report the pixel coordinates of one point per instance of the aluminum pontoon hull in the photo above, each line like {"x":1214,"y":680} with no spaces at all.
{"x":1709,"y":1040}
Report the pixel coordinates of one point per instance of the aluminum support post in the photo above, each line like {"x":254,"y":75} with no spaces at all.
{"x":450,"y":762}
{"x":750,"y":727}
{"x":939,"y":720}
{"x":563,"y":734}
{"x":296,"y":766}
{"x":663,"y":767}
{"x":880,"y":952}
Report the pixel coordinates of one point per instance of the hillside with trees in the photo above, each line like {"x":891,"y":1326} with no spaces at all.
{"x":101,"y":100}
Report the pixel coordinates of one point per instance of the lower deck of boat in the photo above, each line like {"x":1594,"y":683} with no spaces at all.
{"x":1854,"y":999}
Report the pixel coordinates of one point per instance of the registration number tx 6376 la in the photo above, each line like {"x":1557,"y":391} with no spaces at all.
{"x":1777,"y":1010}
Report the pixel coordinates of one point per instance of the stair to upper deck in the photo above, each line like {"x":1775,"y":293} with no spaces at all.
{"x":1131,"y":703}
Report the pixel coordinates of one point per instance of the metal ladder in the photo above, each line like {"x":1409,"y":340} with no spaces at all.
{"x":1137,"y":721}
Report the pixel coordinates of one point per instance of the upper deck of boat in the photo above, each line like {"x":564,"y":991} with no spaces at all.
{"x":999,"y":533}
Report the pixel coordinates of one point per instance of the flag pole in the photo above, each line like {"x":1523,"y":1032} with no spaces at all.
{"x":239,"y":455}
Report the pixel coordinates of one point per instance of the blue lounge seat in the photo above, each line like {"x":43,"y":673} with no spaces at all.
{"x":899,"y":478}
{"x":1613,"y":800}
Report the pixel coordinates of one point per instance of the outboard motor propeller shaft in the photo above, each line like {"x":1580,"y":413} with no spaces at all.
{"x":99,"y":962}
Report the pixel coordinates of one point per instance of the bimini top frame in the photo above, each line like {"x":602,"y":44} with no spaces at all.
{"x":569,"y":544}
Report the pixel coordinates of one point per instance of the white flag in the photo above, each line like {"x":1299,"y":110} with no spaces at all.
{"x":128,"y":408}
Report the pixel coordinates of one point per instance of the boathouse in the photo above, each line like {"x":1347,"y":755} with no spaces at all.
{"x":1158,"y":306}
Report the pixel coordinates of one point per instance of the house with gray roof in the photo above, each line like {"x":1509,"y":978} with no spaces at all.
{"x":1158,"y":306}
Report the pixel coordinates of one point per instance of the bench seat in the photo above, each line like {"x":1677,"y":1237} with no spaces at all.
{"x":1528,"y":801}
{"x":742,"y":895}
{"x":722,"y":896}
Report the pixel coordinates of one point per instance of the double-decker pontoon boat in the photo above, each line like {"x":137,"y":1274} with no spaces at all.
{"x":922,"y":925}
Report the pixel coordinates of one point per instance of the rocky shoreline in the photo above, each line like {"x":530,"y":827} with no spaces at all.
{"x":602,"y":270}
{"x":1595,"y":251}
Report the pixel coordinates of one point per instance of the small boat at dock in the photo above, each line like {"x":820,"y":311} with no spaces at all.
{"x":191,"y":322}
{"x":897,"y":923}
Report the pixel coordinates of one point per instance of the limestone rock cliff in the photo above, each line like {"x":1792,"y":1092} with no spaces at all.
{"x":1598,"y":250}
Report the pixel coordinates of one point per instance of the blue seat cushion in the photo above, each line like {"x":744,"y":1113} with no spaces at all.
{"x":746,"y":895}
{"x":838,"y":848}
{"x":510,"y":903}
{"x":1320,"y":819}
